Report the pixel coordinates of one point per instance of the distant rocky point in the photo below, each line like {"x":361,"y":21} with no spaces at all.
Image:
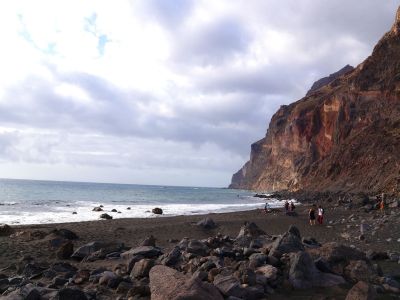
{"x":327,"y":80}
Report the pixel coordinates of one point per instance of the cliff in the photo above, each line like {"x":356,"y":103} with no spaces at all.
{"x":343,"y":136}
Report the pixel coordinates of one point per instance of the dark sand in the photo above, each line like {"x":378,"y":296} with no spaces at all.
{"x":31,"y":240}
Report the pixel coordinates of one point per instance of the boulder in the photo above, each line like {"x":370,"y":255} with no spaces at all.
{"x":229,"y":285}
{"x":145,"y":251}
{"x":106,"y":216}
{"x":81,"y":276}
{"x":5,"y":230}
{"x":142,"y":268}
{"x":65,"y":251}
{"x":172,"y":258}
{"x":114,"y":210}
{"x":287,"y":243}
{"x":197,"y":247}
{"x":359,"y":270}
{"x":92,"y":247}
{"x":268,"y":271}
{"x":65,"y":233}
{"x":167,"y":283}
{"x":149,"y":241}
{"x":257,"y":259}
{"x":33,"y":269}
{"x":304,"y":275}
{"x":334,"y":253}
{"x":250,"y":230}
{"x":107,"y":277}
{"x":207,"y":223}
{"x":97,"y":209}
{"x":361,"y":291}
{"x":157,"y":211}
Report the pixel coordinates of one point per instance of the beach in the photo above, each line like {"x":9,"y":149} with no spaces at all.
{"x":31,"y":239}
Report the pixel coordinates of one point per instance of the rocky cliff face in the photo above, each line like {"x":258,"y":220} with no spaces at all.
{"x":344,"y":135}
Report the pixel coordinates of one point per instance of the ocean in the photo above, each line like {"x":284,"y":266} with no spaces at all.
{"x":39,"y":202}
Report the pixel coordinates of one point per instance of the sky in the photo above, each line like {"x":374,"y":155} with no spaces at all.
{"x":169,"y":92}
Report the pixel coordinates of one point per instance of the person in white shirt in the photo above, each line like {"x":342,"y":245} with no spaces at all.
{"x":320,"y":218}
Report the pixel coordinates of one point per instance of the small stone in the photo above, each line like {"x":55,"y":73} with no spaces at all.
{"x":157,"y":211}
{"x":106,"y":216}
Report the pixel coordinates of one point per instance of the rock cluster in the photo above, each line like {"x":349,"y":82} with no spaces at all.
{"x":251,"y":266}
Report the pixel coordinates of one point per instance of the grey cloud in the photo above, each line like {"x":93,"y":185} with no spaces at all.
{"x":169,"y":13}
{"x":212,"y":43}
{"x":116,"y":113}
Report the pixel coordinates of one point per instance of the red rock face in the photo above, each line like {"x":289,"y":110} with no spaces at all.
{"x":344,"y":136}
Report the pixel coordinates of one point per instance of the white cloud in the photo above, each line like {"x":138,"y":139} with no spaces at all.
{"x":159,"y":90}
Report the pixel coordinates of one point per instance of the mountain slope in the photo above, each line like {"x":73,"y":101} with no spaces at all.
{"x":343,"y":136}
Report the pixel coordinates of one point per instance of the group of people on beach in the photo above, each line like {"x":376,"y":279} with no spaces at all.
{"x":316,"y":214}
{"x":289,"y":207}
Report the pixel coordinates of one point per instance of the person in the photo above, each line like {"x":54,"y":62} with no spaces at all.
{"x":267,"y":208}
{"x":311,"y":214}
{"x":286,"y":206}
{"x":320,"y":215}
{"x":292,"y":207}
{"x":382,"y":206}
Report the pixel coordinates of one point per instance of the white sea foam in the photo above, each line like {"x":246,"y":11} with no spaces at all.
{"x":84,"y":211}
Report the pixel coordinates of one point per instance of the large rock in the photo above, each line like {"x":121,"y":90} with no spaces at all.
{"x":65,"y":233}
{"x":206,"y":223}
{"x":149,"y":241}
{"x":145,"y":251}
{"x":287,"y":243}
{"x":65,"y":251}
{"x":172,"y":258}
{"x":250,"y":229}
{"x":334,"y":253}
{"x":268,"y":271}
{"x":361,"y":291}
{"x":229,"y":286}
{"x":304,"y":275}
{"x":142,"y":268}
{"x":167,"y":283}
{"x":359,"y":270}
{"x":92,"y":247}
{"x":197,"y":247}
{"x":5,"y":230}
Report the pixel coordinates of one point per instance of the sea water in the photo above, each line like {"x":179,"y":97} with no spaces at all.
{"x":38,"y":202}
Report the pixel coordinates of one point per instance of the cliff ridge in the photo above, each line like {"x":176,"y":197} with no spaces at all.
{"x":343,"y":136}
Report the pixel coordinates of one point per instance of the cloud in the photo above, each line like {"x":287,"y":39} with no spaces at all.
{"x":163,"y":91}
{"x":212,"y":42}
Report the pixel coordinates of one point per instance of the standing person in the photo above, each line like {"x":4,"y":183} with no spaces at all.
{"x":286,"y":206}
{"x":382,"y":206}
{"x":320,"y":215}
{"x":267,"y":208}
{"x":311,"y":215}
{"x":292,"y":207}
